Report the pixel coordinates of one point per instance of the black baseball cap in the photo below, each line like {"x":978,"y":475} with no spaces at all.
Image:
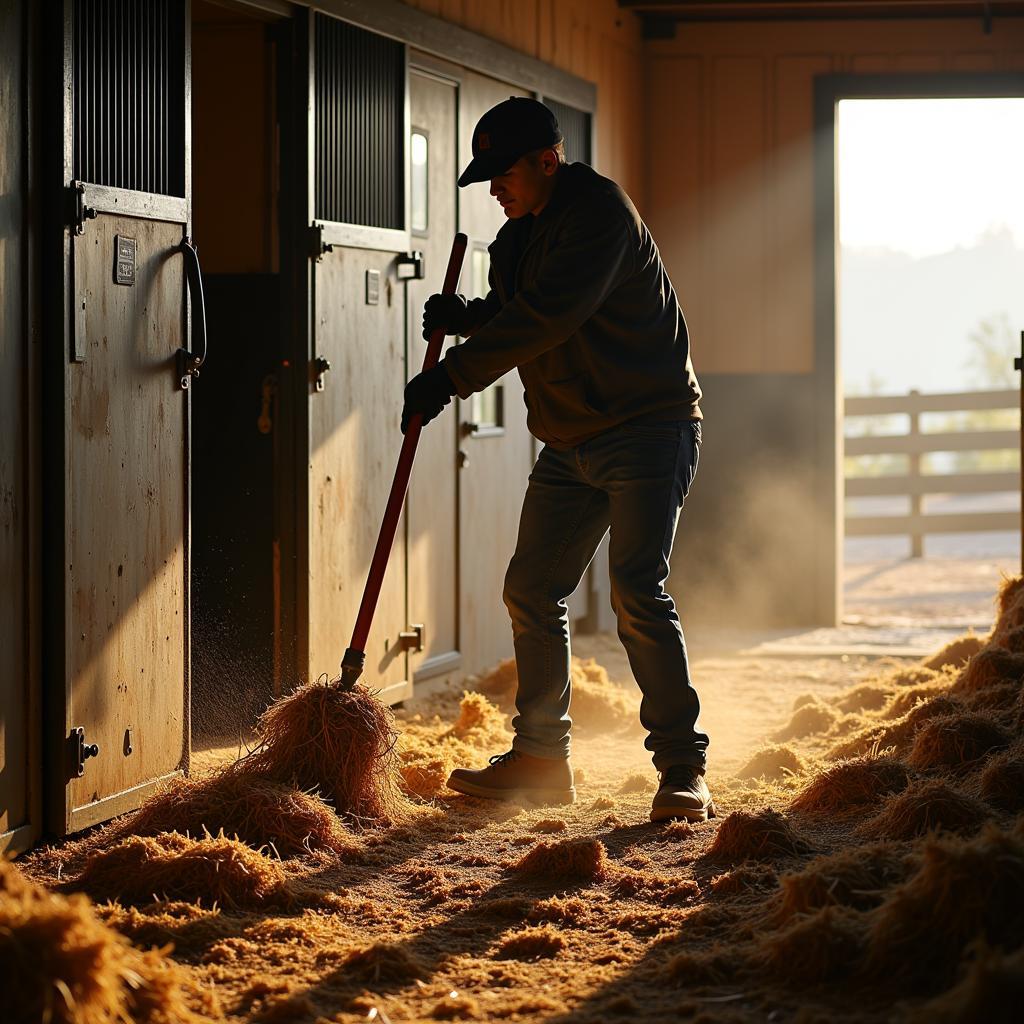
{"x":512,"y":129}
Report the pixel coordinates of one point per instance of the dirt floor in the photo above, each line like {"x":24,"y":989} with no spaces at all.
{"x":820,"y":892}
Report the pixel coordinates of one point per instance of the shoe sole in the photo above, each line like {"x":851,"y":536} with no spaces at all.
{"x":689,"y":813}
{"x":533,"y":796}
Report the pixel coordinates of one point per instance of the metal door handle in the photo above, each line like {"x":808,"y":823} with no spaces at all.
{"x":189,"y":361}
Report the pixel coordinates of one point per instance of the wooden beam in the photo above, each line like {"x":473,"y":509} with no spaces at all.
{"x":967,"y":522}
{"x":877,"y":405}
{"x":460,"y":46}
{"x":911,"y":444}
{"x":821,"y":10}
{"x":951,"y":483}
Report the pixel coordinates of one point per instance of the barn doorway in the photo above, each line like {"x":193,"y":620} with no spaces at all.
{"x":929,"y":315}
{"x":236,"y":663}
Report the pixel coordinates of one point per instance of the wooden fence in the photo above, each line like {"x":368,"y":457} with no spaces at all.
{"x":914,"y":484}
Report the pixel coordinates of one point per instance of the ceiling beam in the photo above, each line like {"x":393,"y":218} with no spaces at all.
{"x":658,"y":13}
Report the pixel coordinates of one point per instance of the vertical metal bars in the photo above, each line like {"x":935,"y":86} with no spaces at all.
{"x":360,"y":144}
{"x":129,"y":94}
{"x":575,"y":125}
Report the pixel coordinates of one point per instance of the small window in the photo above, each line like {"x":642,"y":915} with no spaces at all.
{"x":488,"y":406}
{"x":418,"y":179}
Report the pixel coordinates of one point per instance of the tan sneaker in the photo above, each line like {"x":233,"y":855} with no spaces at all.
{"x":518,"y":776}
{"x":683,"y":794}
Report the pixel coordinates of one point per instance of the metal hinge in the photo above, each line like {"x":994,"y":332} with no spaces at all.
{"x":78,"y":212}
{"x":80,"y":751}
{"x":317,"y":246}
{"x":411,"y":639}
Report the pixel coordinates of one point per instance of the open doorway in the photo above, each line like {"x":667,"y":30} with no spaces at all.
{"x":930,"y":256}
{"x":235,"y":168}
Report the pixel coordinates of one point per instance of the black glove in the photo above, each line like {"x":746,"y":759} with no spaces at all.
{"x":447,"y":311}
{"x":427,"y":393}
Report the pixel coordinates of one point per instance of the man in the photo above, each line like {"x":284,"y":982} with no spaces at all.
{"x":580,"y":302}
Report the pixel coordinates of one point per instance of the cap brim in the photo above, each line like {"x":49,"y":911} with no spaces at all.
{"x":483,"y":168}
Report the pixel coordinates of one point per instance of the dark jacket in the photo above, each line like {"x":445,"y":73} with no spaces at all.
{"x":580,"y":301}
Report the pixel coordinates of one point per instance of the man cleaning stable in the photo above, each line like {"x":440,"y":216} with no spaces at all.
{"x":580,"y":302}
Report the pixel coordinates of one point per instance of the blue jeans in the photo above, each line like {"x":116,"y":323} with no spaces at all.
{"x":633,"y":480}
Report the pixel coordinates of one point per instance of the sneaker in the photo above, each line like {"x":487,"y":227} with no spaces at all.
{"x":683,"y":794}
{"x":518,"y":776}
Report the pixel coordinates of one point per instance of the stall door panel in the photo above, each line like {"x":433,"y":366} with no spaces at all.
{"x":432,"y":509}
{"x":355,"y":438}
{"x":126,"y":482}
{"x":493,"y":481}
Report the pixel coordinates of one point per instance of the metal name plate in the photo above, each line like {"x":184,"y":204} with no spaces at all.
{"x":372,"y":287}
{"x":124,"y":260}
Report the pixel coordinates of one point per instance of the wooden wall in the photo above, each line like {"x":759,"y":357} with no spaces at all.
{"x":730,"y":165}
{"x":593,"y":39}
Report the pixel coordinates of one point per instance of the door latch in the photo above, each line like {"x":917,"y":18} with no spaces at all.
{"x":411,"y":639}
{"x":320,"y":366}
{"x":410,"y":266}
{"x":81,"y":751}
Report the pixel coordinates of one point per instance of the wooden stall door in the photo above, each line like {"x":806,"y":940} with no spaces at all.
{"x":498,"y":459}
{"x":126,"y":446}
{"x":433,"y":504}
{"x":355,"y":438}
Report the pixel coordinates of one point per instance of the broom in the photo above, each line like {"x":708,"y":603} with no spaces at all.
{"x":337,"y":737}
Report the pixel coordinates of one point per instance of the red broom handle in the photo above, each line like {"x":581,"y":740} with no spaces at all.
{"x":399,"y":486}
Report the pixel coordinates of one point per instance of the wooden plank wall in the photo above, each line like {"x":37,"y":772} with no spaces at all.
{"x":729,"y":167}
{"x":590,"y":38}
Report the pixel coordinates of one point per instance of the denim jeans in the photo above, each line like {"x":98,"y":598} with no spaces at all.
{"x":633,"y":480}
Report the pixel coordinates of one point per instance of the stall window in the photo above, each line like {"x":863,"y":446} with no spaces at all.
{"x":488,"y":406}
{"x":419,"y":154}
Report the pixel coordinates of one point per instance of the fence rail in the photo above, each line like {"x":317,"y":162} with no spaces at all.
{"x":914,"y":484}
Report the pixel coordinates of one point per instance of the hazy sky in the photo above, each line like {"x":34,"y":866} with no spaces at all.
{"x":926,"y":176}
{"x":931,"y":207}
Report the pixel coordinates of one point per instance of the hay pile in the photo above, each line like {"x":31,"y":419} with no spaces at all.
{"x":851,"y":786}
{"x":773,"y":761}
{"x":60,"y":963}
{"x":598,"y":704}
{"x":567,"y":862}
{"x":241,"y":805}
{"x":339,"y":743}
{"x":428,"y":752}
{"x":764,"y":835}
{"x":923,"y":899}
{"x":172,"y":866}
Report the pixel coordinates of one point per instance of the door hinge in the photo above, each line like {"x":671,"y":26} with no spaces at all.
{"x":78,"y":212}
{"x":80,"y":751}
{"x":317,"y":246}
{"x":411,"y":639}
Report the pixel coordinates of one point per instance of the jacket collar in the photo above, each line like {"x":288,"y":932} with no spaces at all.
{"x":519,"y":235}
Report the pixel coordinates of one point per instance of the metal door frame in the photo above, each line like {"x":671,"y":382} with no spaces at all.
{"x":829,"y":89}
{"x":59,"y":348}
